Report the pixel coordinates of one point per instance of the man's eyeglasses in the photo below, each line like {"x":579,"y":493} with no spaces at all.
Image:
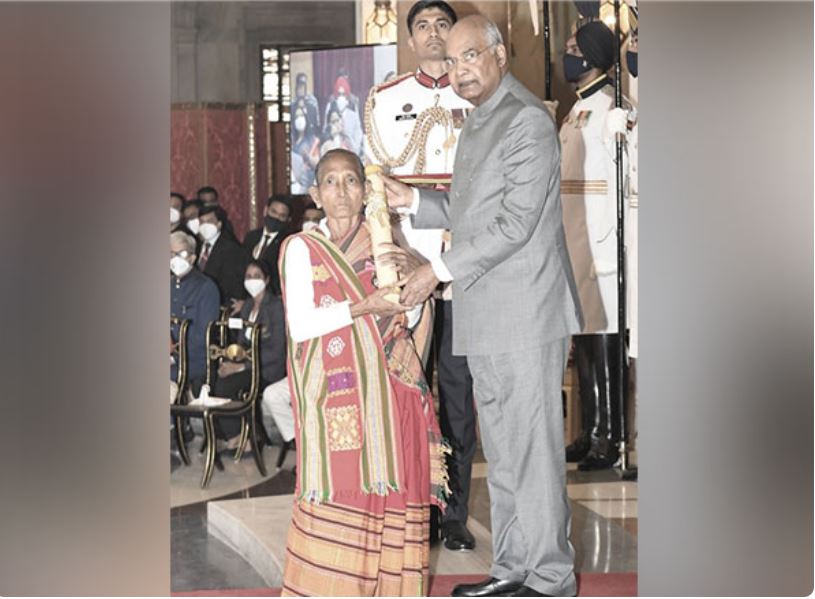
{"x":182,"y":254}
{"x":467,"y":58}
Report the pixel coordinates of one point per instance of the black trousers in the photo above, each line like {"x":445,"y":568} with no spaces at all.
{"x":456,"y":413}
{"x":597,"y":358}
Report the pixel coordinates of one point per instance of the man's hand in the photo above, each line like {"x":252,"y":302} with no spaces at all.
{"x":399,"y":195}
{"x":419,"y":286}
{"x":404,"y":261}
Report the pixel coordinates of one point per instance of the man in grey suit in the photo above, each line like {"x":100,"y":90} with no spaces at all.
{"x":515,"y":306}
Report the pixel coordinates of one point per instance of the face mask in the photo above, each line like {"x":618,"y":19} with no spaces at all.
{"x":208,"y":231}
{"x":300,"y":123}
{"x":631,"y":61}
{"x":342,"y":102}
{"x":179,"y":266}
{"x":175,"y":215}
{"x":309,"y":225}
{"x":272,"y":224}
{"x":254,"y":286}
{"x":574,"y":67}
{"x":193,"y":225}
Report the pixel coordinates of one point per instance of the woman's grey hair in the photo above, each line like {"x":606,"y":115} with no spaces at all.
{"x":492,"y":34}
{"x":187,"y":240}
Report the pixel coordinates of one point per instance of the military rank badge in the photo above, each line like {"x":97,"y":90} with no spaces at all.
{"x":583,"y":118}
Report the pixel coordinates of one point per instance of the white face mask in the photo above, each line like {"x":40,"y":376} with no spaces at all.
{"x":254,"y":286}
{"x":175,"y":215}
{"x":193,"y":225}
{"x":179,"y":266}
{"x":300,"y":123}
{"x":342,"y":102}
{"x":208,"y":231}
{"x":309,"y":225}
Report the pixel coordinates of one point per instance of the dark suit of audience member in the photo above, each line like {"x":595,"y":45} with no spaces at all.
{"x":208,"y":196}
{"x":266,"y":309}
{"x":221,"y":258}
{"x":264,"y":243}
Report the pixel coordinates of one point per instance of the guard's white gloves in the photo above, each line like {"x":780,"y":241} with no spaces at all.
{"x":616,"y":122}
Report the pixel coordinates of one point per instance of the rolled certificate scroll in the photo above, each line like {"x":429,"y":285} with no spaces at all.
{"x":379,"y":223}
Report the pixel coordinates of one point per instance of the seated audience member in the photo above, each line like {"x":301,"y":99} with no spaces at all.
{"x":264,"y":243}
{"x":221,"y":258}
{"x":176,"y":210}
{"x":177,"y":222}
{"x":312,"y":217}
{"x":190,"y":212}
{"x":193,"y":297}
{"x":266,"y":309}
{"x":209,"y":198}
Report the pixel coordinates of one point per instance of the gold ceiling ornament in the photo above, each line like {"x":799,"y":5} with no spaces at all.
{"x":628,"y":17}
{"x":381,"y":26}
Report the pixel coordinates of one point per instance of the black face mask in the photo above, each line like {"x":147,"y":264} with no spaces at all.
{"x":272,"y":224}
{"x":574,"y":67}
{"x":631,"y":61}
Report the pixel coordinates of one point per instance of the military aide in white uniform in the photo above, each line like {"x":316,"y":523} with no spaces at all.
{"x":412,"y":126}
{"x":589,"y":197}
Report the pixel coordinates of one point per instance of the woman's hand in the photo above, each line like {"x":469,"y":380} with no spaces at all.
{"x":377,"y":305}
{"x":227,"y":368}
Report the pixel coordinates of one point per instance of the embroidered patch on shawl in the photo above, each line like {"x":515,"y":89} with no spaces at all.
{"x":341,"y":381}
{"x":335,"y":346}
{"x":343,"y":428}
{"x":326,"y":301}
{"x":320,"y":273}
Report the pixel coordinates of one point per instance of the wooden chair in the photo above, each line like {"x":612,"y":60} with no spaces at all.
{"x":245,"y":408}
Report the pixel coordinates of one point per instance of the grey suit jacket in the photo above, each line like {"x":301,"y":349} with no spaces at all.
{"x":513,"y":286}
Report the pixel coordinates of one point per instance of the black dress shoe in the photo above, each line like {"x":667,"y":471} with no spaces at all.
{"x":526,"y":591}
{"x":596,"y":460}
{"x":576,"y":451}
{"x":457,"y":537}
{"x":491,"y":587}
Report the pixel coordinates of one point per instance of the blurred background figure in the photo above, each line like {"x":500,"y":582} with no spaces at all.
{"x":194,"y":297}
{"x":264,"y":243}
{"x":221,"y":258}
{"x":305,"y":144}
{"x":589,"y":196}
{"x":266,"y":309}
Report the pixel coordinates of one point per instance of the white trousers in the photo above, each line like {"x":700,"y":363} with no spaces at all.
{"x":277,"y":402}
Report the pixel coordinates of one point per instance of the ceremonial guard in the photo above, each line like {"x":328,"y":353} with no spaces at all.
{"x":589,"y":197}
{"x":412,"y":125}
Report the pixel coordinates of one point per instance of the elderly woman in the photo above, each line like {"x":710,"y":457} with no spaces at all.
{"x":368,"y":445}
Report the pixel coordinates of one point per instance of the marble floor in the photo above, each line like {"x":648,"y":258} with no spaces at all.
{"x":232,"y":535}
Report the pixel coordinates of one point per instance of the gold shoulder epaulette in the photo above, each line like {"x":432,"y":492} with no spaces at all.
{"x":392,"y":82}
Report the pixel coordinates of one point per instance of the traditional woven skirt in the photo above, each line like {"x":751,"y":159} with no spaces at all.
{"x":368,"y":545}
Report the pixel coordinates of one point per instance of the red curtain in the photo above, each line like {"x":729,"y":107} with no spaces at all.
{"x":210,"y":145}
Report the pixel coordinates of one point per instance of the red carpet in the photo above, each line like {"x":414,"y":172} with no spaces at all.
{"x":590,"y":584}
